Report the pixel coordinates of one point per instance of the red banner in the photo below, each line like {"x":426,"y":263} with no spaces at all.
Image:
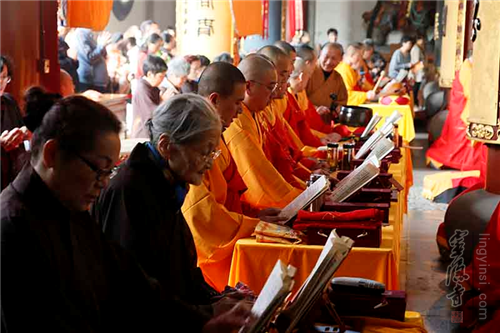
{"x":265,"y":19}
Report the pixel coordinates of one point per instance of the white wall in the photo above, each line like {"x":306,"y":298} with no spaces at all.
{"x":343,"y":15}
{"x":162,"y":11}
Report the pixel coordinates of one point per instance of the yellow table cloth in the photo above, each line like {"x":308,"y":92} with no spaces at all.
{"x":253,"y":262}
{"x":406,"y":127}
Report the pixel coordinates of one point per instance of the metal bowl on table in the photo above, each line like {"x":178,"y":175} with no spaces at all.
{"x":355,"y":116}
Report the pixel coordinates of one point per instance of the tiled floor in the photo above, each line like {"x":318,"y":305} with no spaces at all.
{"x":423,"y":275}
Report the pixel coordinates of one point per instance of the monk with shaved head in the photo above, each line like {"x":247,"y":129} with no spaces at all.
{"x":325,"y":81}
{"x":216,"y":210}
{"x":246,"y":137}
{"x":299,"y":160}
{"x":308,"y":55}
{"x":348,"y":69}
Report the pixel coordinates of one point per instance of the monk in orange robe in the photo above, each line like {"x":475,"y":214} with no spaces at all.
{"x":214,"y":211}
{"x":296,"y":114}
{"x":284,"y":145}
{"x":348,"y":69}
{"x":325,"y":81}
{"x":313,"y":113}
{"x":246,"y":136}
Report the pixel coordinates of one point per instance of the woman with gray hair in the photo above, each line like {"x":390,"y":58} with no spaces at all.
{"x":177,"y":75}
{"x":140,"y":208}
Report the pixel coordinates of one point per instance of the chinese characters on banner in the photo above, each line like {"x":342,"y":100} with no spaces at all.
{"x":206,"y":27}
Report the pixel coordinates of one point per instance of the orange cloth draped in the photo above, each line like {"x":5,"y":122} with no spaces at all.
{"x":319,"y":90}
{"x":484,"y":277}
{"x":266,"y":186}
{"x":452,"y":148}
{"x":214,"y":214}
{"x":351,"y":78}
{"x":89,"y":14}
{"x":248,"y":17}
{"x":296,"y":117}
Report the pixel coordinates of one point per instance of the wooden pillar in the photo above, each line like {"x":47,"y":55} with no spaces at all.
{"x":28,"y":35}
{"x":203,"y":27}
{"x":469,"y":13}
{"x":49,"y":47}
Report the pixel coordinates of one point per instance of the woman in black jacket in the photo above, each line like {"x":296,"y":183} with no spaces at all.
{"x":141,"y":208}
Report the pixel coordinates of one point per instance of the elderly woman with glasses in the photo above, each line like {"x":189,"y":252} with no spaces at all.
{"x":141,"y":208}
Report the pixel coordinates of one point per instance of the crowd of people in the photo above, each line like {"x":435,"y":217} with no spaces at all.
{"x":89,"y":246}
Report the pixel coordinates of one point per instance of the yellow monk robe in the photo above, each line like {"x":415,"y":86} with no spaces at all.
{"x":351,"y":77}
{"x":319,"y":89}
{"x":214,"y":215}
{"x":266,"y":186}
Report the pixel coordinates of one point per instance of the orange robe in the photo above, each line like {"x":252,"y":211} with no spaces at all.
{"x":215,"y":216}
{"x":319,"y":90}
{"x":296,"y":118}
{"x":312,"y":116}
{"x":280,"y":149}
{"x":285,"y":135}
{"x":266,"y":186}
{"x":351,"y":78}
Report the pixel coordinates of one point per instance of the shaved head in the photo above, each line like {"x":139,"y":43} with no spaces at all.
{"x":352,"y":49}
{"x":332,"y":46}
{"x":256,"y":67}
{"x":67,"y":85}
{"x":224,"y":85}
{"x":283,"y":65}
{"x":274,"y":53}
{"x":330,"y":56}
{"x":299,"y":66}
{"x":285,"y":47}
{"x":261,"y":77}
{"x":354,"y":55}
{"x":306,"y":52}
{"x":219,"y":77}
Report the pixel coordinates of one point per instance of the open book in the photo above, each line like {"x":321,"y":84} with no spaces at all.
{"x":381,"y":149}
{"x":334,"y":252}
{"x":278,"y":286}
{"x":358,"y":178}
{"x":310,"y":194}
{"x":383,"y":132}
{"x":371,"y":125}
{"x":392,"y":119}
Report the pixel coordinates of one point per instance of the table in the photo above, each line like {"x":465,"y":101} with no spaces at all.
{"x":252,"y":262}
{"x":406,"y":127}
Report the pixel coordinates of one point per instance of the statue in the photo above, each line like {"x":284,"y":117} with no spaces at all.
{"x":410,"y":16}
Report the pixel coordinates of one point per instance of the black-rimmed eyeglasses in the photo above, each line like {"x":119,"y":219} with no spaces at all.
{"x":101,"y":174}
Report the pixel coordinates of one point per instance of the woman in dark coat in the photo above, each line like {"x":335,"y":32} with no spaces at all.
{"x":141,"y":208}
{"x":59,"y":273}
